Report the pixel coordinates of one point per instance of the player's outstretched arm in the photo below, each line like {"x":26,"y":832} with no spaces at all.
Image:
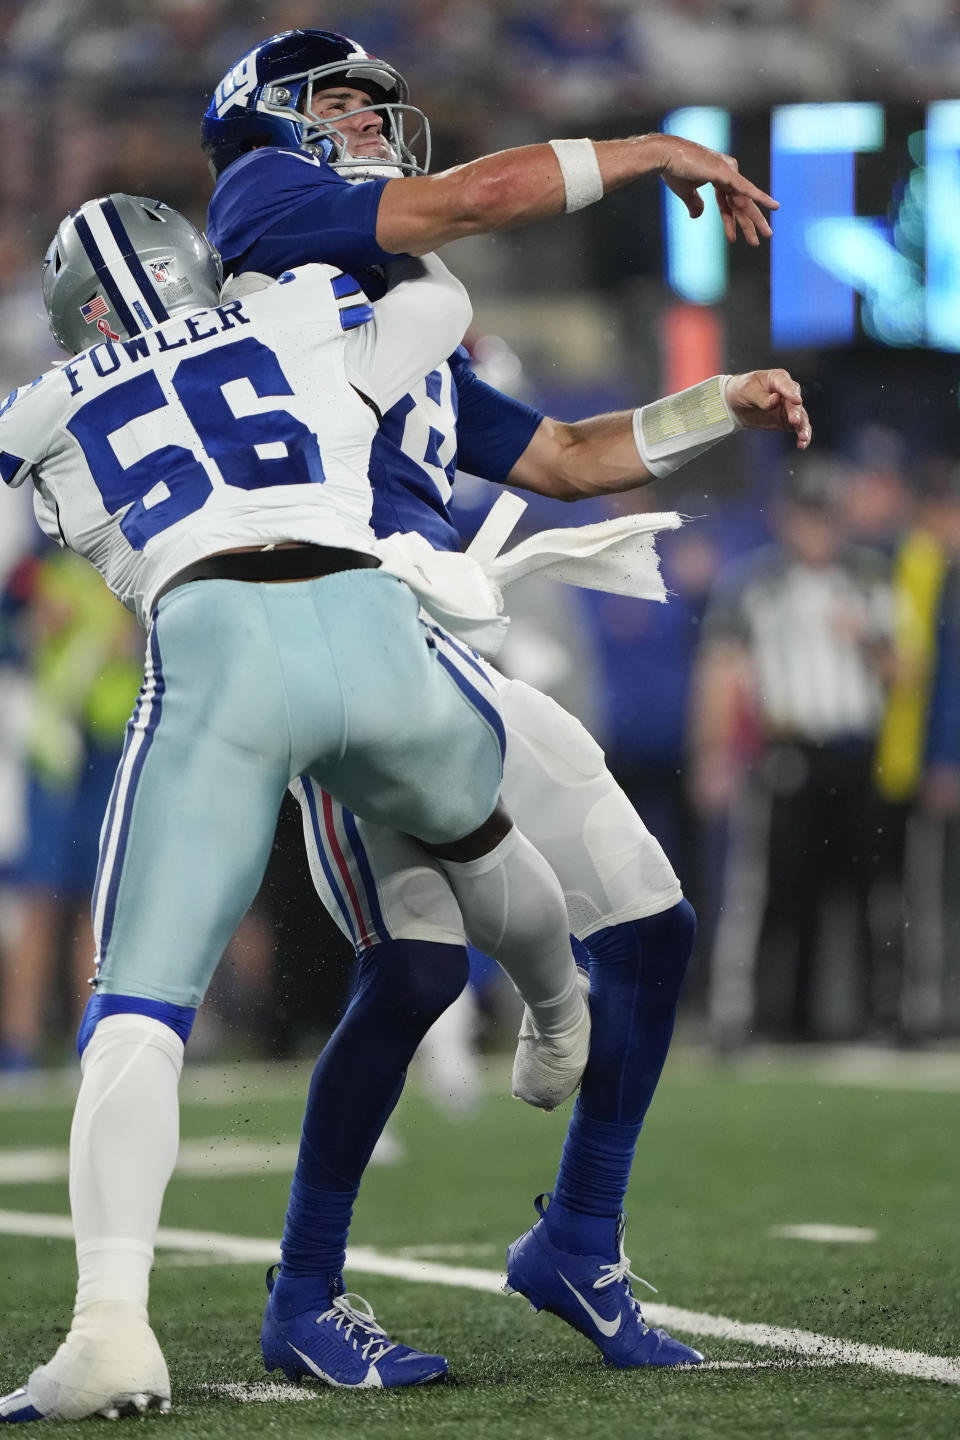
{"x":535,"y":182}
{"x":621,"y":451}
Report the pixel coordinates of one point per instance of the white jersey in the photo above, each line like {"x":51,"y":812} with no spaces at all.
{"x":246,"y":424}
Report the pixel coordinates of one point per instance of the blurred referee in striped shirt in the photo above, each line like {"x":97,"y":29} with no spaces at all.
{"x":796,"y":657}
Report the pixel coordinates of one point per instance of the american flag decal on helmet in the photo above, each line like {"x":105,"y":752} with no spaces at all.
{"x":94,"y":309}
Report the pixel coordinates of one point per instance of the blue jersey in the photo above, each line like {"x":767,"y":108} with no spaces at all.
{"x":272,"y":205}
{"x":277,"y":208}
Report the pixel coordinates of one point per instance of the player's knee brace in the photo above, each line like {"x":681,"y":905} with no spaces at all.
{"x":178,"y":1017}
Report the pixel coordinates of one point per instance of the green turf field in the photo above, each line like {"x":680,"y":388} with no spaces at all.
{"x":728,"y":1154}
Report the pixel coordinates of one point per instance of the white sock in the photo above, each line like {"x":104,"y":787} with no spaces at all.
{"x":513,"y":909}
{"x":123,"y":1147}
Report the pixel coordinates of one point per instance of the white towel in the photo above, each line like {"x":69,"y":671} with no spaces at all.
{"x":451,"y":586}
{"x":463,"y":591}
{"x":618,"y":556}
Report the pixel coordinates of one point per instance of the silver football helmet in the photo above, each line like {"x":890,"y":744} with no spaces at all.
{"x":121,"y":265}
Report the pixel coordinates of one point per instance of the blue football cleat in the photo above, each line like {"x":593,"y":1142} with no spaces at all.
{"x":341,"y":1345}
{"x":593,"y":1295}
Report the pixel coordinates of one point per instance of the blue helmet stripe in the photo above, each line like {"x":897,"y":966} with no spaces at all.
{"x":134,"y":263}
{"x":116,"y":299}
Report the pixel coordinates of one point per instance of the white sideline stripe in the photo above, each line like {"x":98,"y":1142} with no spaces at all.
{"x":197,"y":1157}
{"x":852,"y":1066}
{"x":785,"y":1364}
{"x":446,"y":1252}
{"x":807,"y":1342}
{"x":839,"y":1234}
{"x":209,"y":1158}
{"x":821,"y":1348}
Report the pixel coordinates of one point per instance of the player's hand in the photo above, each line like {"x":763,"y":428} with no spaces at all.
{"x":770,"y":400}
{"x":686,"y":166}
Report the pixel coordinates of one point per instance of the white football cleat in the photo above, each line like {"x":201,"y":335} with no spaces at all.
{"x":110,"y":1364}
{"x":547,"y":1071}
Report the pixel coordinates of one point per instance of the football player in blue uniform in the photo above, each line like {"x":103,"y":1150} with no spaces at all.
{"x":307,"y":136}
{"x":210,"y":459}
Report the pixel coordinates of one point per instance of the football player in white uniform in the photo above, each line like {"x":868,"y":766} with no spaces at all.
{"x":288,"y":131}
{"x":210,"y":460}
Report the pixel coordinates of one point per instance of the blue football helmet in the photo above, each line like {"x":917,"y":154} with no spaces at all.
{"x":266,"y":98}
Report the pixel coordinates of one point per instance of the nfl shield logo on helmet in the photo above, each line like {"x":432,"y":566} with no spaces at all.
{"x":94,"y":309}
{"x":160,"y":272}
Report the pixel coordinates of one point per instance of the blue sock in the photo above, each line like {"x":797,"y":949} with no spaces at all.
{"x":403,"y":987}
{"x":636,"y":975}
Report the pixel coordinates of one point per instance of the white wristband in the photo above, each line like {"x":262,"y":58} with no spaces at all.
{"x":580,"y":169}
{"x":678,"y":428}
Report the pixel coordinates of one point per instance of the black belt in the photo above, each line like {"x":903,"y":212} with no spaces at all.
{"x":299,"y":562}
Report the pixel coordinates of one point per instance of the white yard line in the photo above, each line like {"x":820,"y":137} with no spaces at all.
{"x":807,"y":1342}
{"x":211,"y":1158}
{"x":858,"y":1066}
{"x":825,"y":1349}
{"x":208,"y":1158}
{"x":272,"y":1392}
{"x":263,"y":1392}
{"x":446,"y":1252}
{"x":829,"y":1234}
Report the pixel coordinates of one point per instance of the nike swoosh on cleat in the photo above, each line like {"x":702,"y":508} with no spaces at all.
{"x":310,"y":1364}
{"x":606,"y":1327}
{"x":371,"y":1380}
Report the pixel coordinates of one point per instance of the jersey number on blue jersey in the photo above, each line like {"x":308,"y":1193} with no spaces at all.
{"x":250,"y":451}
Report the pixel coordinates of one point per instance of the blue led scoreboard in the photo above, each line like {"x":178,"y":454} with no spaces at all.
{"x":866,"y":244}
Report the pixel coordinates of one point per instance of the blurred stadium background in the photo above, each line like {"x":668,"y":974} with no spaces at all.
{"x":848,"y":114}
{"x":731,"y":740}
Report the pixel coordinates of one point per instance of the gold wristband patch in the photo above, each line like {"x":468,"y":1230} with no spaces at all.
{"x":687,"y":413}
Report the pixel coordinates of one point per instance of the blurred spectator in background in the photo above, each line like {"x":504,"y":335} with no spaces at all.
{"x":909,"y":48}
{"x":925,"y":765}
{"x":16,"y":537}
{"x":84,"y":660}
{"x":797,"y":653}
{"x":880,"y":509}
{"x":908,"y":505}
{"x":573,"y":59}
{"x":702,"y":51}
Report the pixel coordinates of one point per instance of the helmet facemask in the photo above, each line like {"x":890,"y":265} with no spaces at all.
{"x":292,"y":98}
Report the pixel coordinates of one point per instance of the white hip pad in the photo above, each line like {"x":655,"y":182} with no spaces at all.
{"x":563,"y":798}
